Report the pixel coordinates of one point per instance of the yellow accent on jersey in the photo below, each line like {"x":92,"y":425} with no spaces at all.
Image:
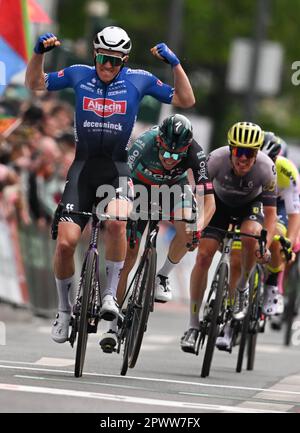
{"x":286,"y":172}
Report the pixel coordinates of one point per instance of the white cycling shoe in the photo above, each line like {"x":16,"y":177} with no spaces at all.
{"x":271,"y":298}
{"x":60,"y":327}
{"x":224,"y":341}
{"x":162,"y":289}
{"x":109,"y":310}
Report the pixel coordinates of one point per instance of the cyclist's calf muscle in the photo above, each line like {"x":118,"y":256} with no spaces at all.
{"x":67,"y":240}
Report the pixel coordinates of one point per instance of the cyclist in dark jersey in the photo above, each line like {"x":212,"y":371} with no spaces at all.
{"x":153,"y":165}
{"x":244,"y":181}
{"x":159,"y":160}
{"x":107,"y":101}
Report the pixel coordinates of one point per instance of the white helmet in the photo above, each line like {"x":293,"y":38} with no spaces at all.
{"x":113,"y":38}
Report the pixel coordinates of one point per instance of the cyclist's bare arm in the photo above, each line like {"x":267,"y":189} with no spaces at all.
{"x":35,"y":75}
{"x":270,"y":223}
{"x":183,"y":94}
{"x":293,"y":227}
{"x":291,"y":199}
{"x":207,"y":207}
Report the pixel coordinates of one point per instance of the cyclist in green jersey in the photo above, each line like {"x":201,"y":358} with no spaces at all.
{"x":158,"y":158}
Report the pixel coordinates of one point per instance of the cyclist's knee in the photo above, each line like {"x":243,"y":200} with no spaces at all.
{"x":235,"y":260}
{"x":68,"y":238}
{"x":249,"y":244}
{"x":65,"y":248}
{"x":115,"y":229}
{"x":204,"y":259}
{"x":183,"y":237}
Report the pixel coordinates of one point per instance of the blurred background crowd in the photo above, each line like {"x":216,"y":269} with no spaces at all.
{"x":36,"y":151}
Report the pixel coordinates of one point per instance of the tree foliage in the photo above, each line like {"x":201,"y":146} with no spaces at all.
{"x":208,"y":28}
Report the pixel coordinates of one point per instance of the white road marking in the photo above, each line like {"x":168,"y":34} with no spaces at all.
{"x":275,"y":395}
{"x":55,"y":362}
{"x":149,"y":379}
{"x":266,"y":407}
{"x":268,"y":348}
{"x":156,"y":338}
{"x":85,"y":382}
{"x":151,"y":347}
{"x":252,"y":404}
{"x":162,"y":339}
{"x":125,"y":399}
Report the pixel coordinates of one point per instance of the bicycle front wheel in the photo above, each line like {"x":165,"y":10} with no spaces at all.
{"x":87,"y":288}
{"x":253,"y":285}
{"x":255,"y":319}
{"x":143,"y":295}
{"x":221,"y":282}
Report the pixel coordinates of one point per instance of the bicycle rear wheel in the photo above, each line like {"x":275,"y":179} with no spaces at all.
{"x":143,"y":295}
{"x":221,"y":282}
{"x":124,"y":366}
{"x":87,"y":286}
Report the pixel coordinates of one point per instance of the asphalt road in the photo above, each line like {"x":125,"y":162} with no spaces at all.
{"x":36,"y":374}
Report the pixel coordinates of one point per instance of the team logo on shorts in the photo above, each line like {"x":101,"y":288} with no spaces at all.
{"x":104,"y":107}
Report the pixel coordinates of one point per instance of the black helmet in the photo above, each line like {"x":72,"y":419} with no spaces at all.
{"x":271,"y":145}
{"x":176,"y":133}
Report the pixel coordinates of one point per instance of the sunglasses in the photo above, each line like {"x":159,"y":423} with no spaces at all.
{"x":244,"y":151}
{"x":168,"y":155}
{"x":114,"y":60}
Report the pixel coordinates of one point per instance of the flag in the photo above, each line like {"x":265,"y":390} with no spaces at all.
{"x":37,"y":14}
{"x":14,"y":39}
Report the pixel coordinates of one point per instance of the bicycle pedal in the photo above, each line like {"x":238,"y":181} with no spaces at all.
{"x":108,"y":316}
{"x":108,"y":348}
{"x":91,"y":329}
{"x":225,"y":348}
{"x":188,"y":350}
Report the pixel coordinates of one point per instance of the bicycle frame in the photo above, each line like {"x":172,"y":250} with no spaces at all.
{"x":86,"y":309}
{"x":94,"y":315}
{"x":230,"y":237}
{"x":216,"y":313}
{"x":141,"y":300}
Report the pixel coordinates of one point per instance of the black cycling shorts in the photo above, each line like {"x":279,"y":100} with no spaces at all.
{"x":252,"y":211}
{"x":85,"y":177}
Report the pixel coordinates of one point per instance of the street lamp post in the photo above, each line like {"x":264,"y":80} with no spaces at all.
{"x":261,"y":19}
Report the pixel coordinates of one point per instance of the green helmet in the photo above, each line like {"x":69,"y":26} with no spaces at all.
{"x":176,"y":133}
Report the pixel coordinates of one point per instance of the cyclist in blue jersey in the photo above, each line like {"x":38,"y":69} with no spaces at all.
{"x":108,"y":95}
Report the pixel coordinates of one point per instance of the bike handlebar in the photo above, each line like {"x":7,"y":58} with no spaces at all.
{"x":61,"y":211}
{"x":261,"y":238}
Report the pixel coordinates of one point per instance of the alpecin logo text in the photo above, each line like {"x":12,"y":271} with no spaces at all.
{"x":104,"y":107}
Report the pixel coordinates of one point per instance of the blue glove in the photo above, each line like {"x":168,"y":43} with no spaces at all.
{"x":168,"y":55}
{"x":39,"y":46}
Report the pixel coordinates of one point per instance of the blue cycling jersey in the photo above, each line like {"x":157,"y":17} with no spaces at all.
{"x":105,"y":113}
